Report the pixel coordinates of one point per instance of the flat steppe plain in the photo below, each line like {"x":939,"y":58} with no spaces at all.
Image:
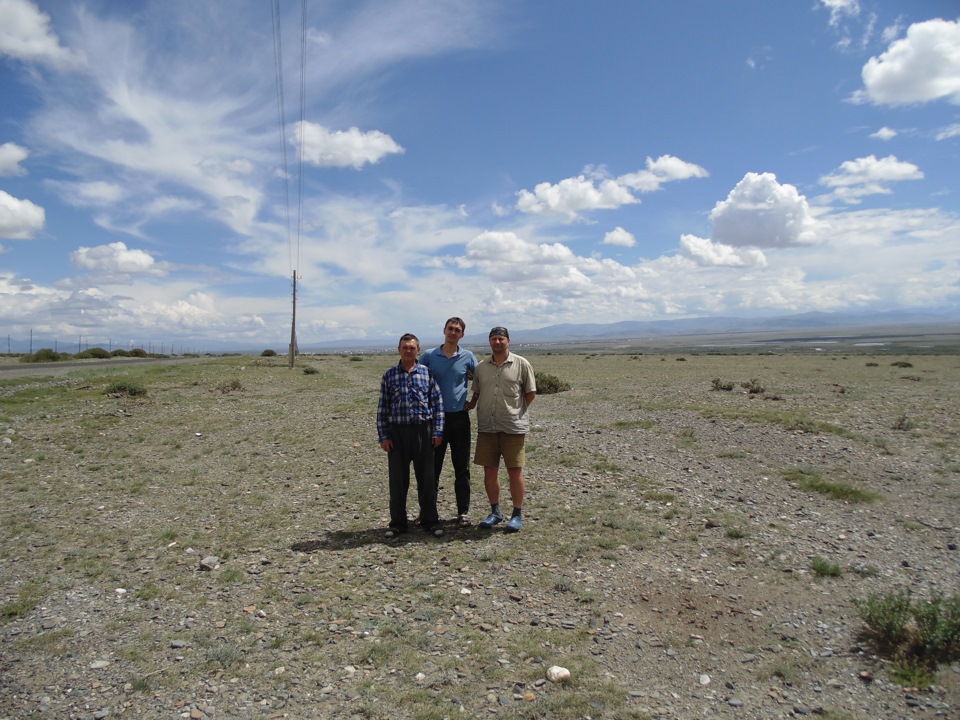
{"x":666,"y":557}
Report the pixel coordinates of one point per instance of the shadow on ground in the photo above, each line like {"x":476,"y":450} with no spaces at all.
{"x":346,"y":540}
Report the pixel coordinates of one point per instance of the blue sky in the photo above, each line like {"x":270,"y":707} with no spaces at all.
{"x":518,"y":163}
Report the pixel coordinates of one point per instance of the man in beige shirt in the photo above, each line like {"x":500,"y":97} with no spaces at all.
{"x":503,"y":388}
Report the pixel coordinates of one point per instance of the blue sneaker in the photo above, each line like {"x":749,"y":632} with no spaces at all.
{"x":514,"y":523}
{"x":491,"y":520}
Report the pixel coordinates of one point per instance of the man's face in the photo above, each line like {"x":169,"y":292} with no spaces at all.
{"x":453,"y":332}
{"x":499,"y":343}
{"x":409,"y":350}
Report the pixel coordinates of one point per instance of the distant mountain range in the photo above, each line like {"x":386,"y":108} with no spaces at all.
{"x":641,"y":329}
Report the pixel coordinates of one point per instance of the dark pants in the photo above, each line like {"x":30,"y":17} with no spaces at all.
{"x":412,"y":444}
{"x":456,"y":434}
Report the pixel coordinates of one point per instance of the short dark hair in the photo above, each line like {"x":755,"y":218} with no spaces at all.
{"x":408,"y":336}
{"x":456,"y":321}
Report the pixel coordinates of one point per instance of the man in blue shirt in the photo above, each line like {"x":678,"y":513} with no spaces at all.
{"x":409,"y":427}
{"x":452,"y":368}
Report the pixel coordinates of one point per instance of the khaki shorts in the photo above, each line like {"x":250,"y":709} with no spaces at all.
{"x":491,"y":447}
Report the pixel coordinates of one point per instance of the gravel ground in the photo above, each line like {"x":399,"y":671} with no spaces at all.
{"x":665,"y":557}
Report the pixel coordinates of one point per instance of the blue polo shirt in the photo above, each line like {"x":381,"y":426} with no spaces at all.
{"x":452,"y":375}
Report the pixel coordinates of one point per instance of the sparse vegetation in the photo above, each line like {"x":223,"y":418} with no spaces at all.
{"x":724,"y":385}
{"x":823,"y":567}
{"x":126,"y":387}
{"x":810,"y":480}
{"x":919,"y":633}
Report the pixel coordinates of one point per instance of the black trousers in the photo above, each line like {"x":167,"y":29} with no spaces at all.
{"x":412,"y":444}
{"x":456,"y":434}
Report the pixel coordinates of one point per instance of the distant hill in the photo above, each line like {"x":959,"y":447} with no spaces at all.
{"x":684,"y":327}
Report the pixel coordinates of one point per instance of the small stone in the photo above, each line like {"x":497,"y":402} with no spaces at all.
{"x":735,"y":702}
{"x":558,"y":674}
{"x":99,"y":664}
{"x":211,"y":562}
{"x":704,"y":679}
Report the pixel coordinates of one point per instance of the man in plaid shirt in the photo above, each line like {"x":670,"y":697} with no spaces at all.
{"x":409,"y":427}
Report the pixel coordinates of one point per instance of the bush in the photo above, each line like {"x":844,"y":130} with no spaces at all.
{"x":268,"y":353}
{"x":120,"y":352}
{"x":45,"y":355}
{"x":901,"y":364}
{"x":232,"y":386}
{"x":916,"y":631}
{"x":138,"y":352}
{"x":822,"y":566}
{"x":96,"y":353}
{"x":310,"y":370}
{"x":126,"y":388}
{"x":718,"y":384}
{"x":753,"y":387}
{"x":548,"y":384}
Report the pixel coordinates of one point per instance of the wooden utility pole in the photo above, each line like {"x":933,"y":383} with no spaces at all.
{"x":293,"y":324}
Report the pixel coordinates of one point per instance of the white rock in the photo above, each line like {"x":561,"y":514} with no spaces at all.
{"x":558,"y":674}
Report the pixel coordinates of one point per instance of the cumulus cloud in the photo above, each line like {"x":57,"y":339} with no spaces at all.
{"x":112,"y":258}
{"x":855,"y":179}
{"x":25,"y":34}
{"x":11,"y":155}
{"x":709,"y":253}
{"x":19,"y":219}
{"x":921,"y":67}
{"x":884,"y":133}
{"x":343,"y":148}
{"x":761,"y":213}
{"x":572,"y":196}
{"x":619,"y":236}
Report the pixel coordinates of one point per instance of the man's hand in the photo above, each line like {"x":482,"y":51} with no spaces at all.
{"x":387,"y":445}
{"x":437,"y":441}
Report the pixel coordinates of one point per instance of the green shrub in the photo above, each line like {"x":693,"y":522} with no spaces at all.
{"x":233,"y":386}
{"x":903,"y":423}
{"x":120,"y":352}
{"x":310,"y":370}
{"x":45,"y":355}
{"x":753,"y":387}
{"x":268,"y":353}
{"x":125,"y":387}
{"x":548,"y":384}
{"x":919,"y":632}
{"x":95,"y":353}
{"x":823,"y":567}
{"x":138,"y":352}
{"x":356,"y":358}
{"x":901,"y":364}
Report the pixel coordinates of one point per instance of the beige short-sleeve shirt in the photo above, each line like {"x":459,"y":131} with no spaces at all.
{"x":501,"y":406}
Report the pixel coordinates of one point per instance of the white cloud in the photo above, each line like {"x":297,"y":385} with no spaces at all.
{"x":884,"y":133}
{"x":25,"y":35}
{"x":619,"y":236}
{"x":921,"y":67}
{"x":112,"y":258}
{"x":343,"y":148}
{"x":19,"y":219}
{"x":11,"y":155}
{"x":840,"y":9}
{"x":664,"y":169}
{"x":761,"y":213}
{"x":96,"y":193}
{"x":572,"y":196}
{"x":704,"y":251}
{"x":950,"y":131}
{"x":855,"y":179}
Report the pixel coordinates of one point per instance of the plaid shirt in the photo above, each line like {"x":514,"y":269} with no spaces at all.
{"x":407,"y":398}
